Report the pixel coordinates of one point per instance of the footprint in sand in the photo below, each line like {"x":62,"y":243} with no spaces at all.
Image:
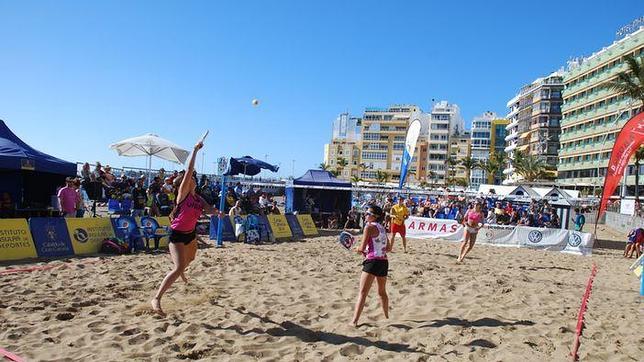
{"x":65,"y":316}
{"x":349,"y":351}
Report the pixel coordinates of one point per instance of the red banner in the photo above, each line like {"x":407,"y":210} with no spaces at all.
{"x":629,"y":139}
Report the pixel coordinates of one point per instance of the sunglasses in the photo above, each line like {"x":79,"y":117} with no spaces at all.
{"x":370,"y":213}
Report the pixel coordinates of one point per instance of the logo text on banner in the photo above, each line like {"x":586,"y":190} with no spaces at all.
{"x":87,"y":234}
{"x":296,"y":229}
{"x":51,"y":236}
{"x":279,"y":226}
{"x":307,"y":225}
{"x":15,"y":240}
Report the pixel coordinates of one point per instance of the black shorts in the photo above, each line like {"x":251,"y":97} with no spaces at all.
{"x":376,"y":267}
{"x":182,"y":237}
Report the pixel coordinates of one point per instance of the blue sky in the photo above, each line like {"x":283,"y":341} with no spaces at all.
{"x":76,"y":76}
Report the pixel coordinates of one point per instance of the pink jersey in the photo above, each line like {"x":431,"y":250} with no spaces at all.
{"x":377,"y":247}
{"x":187,"y":214}
{"x":473,"y":217}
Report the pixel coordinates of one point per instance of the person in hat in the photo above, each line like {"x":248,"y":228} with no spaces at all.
{"x":68,"y":199}
{"x":399,"y":213}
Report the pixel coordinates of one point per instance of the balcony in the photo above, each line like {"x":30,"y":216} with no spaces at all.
{"x":511,"y":136}
{"x":510,"y":148}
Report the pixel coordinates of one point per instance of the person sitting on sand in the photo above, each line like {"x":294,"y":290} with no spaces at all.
{"x":374,"y":247}
{"x":635,"y":240}
{"x":472,"y":222}
{"x":184,"y":217}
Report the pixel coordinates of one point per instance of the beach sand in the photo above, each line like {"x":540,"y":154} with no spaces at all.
{"x":293,"y":301}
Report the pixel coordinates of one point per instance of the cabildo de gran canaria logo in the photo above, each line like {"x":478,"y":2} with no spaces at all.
{"x":535,"y":236}
{"x":574,"y":239}
{"x":81,"y":235}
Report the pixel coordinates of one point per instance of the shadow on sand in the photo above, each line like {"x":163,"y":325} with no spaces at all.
{"x":290,"y":329}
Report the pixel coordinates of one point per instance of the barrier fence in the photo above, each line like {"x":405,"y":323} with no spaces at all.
{"x":51,"y":237}
{"x":566,"y":241}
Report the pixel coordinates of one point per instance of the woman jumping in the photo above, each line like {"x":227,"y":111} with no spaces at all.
{"x":183,"y":246}
{"x":472,"y":221}
{"x":374,"y":247}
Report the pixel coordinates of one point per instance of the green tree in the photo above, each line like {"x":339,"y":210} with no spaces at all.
{"x":381,"y":177}
{"x":532,"y":168}
{"x":355,"y":179}
{"x":631,"y":81}
{"x":469,"y":164}
{"x":492,"y":168}
{"x":342,"y":163}
{"x":324,"y":166}
{"x":335,"y":173}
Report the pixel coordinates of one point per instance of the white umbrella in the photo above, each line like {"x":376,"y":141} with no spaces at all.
{"x":151,"y":145}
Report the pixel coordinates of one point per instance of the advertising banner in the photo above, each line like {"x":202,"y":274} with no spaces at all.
{"x":408,"y":153}
{"x":264,"y":228}
{"x":51,"y":236}
{"x":279,"y":226}
{"x":15,"y":240}
{"x":421,"y":227}
{"x":503,"y":235}
{"x":307,"y":225}
{"x":87,"y":234}
{"x":164,"y":222}
{"x":296,"y":229}
{"x":228,"y":230}
{"x":629,"y":139}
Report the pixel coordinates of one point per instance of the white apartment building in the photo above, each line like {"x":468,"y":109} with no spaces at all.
{"x":345,"y":145}
{"x":445,"y":120}
{"x":480,"y":146}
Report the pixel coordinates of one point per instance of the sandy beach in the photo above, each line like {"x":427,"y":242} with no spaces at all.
{"x":293,"y":301}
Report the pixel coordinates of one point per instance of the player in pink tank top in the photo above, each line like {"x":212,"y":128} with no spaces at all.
{"x":472,"y":222}
{"x":184,"y":217}
{"x":374,"y":248}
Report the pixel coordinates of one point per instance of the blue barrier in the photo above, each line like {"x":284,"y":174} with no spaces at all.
{"x":294,"y":224}
{"x":51,"y":237}
{"x":228,"y":231}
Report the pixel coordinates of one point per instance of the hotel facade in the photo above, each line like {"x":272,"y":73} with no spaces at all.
{"x":534,"y":124}
{"x":593,"y":115}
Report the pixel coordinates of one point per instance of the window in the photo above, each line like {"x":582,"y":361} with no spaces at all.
{"x":374,"y":155}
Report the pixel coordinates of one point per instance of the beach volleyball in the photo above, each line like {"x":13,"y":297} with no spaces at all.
{"x":255,"y":102}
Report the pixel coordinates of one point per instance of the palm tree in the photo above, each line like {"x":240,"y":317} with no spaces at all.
{"x":469,"y":164}
{"x":342,"y":163}
{"x":631,"y":81}
{"x":335,"y":173}
{"x":451,"y":165}
{"x":492,"y":168}
{"x":381,"y":177}
{"x":323,"y":166}
{"x":432,"y":176}
{"x":355,"y":179}
{"x":530,"y":167}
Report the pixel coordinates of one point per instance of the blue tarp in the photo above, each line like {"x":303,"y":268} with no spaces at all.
{"x":320,"y":178}
{"x":17,"y":155}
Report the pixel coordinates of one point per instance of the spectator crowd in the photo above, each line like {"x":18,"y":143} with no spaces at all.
{"x":137,"y":197}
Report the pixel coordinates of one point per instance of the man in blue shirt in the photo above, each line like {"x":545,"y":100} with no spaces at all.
{"x":580,"y":220}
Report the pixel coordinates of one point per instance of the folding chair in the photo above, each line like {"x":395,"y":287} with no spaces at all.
{"x":152,"y":230}
{"x":128,"y":230}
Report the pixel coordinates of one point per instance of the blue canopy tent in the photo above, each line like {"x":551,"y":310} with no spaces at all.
{"x":29,"y":176}
{"x":318,"y":191}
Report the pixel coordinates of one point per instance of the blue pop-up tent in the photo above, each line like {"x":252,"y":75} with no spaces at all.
{"x":28,"y":175}
{"x":318,"y":191}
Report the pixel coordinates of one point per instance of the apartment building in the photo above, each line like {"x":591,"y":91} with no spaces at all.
{"x":534,"y":123}
{"x":594,"y":115}
{"x":343,"y":153}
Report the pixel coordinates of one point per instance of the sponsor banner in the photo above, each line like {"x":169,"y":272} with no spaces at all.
{"x":408,"y":153}
{"x":50,"y":236}
{"x":540,"y":238}
{"x":264,"y":228}
{"x":307,"y":225}
{"x":421,"y":227}
{"x":239,"y":219}
{"x":495,"y":235}
{"x":567,"y":241}
{"x":228,"y":230}
{"x":122,"y":224}
{"x":15,"y":240}
{"x":164,"y":223}
{"x":279,"y":226}
{"x":87,"y":234}
{"x":628,"y":140}
{"x":579,"y":243}
{"x":296,"y":229}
